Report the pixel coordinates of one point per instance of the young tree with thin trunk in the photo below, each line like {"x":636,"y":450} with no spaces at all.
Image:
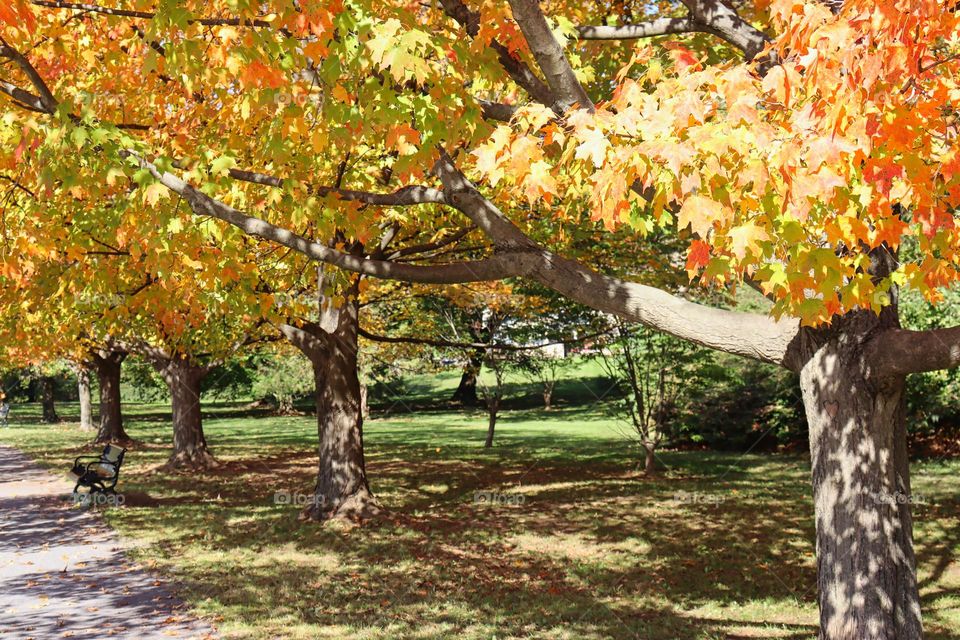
{"x":654,"y":371}
{"x":798,"y":164}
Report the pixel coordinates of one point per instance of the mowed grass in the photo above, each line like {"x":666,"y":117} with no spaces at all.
{"x":567,"y":540}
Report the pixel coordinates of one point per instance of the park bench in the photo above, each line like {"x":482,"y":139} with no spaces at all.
{"x":99,"y":474}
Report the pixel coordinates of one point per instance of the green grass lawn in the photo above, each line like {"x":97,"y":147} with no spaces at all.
{"x":580,"y":547}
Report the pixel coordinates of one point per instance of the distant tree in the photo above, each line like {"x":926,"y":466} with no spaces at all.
{"x":284,"y":376}
{"x":545,"y":369}
{"x":655,"y":371}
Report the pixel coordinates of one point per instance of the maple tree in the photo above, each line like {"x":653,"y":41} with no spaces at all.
{"x":792,"y":147}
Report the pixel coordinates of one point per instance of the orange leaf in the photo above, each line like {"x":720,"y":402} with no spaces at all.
{"x":697,"y":257}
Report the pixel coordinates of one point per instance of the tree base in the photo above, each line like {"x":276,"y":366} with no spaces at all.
{"x":358,"y":508}
{"x":196,"y":460}
{"x":124,"y":441}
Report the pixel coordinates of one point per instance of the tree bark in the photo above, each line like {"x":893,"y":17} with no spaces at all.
{"x":650,"y":458}
{"x":86,"y":405}
{"x":466,"y":393}
{"x":107,"y":365}
{"x":548,"y":396}
{"x":861,"y":486}
{"x":183,"y":377}
{"x":342,"y":491}
{"x":364,"y":405}
{"x":493,"y":407}
{"x":48,"y":387}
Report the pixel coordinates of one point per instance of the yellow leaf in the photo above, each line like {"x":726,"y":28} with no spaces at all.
{"x":153,"y":193}
{"x":699,"y":213}
{"x":747,"y":238}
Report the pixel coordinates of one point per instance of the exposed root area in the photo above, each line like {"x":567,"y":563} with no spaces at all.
{"x":196,"y":460}
{"x":358,"y":508}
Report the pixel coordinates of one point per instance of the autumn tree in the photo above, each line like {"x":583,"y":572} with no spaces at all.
{"x":792,"y":148}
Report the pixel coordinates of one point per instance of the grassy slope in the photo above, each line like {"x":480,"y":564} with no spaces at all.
{"x":593,"y":551}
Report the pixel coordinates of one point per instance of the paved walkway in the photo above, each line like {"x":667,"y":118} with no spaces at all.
{"x":63,"y":574}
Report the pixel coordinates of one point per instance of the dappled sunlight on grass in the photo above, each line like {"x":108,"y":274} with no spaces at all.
{"x":551,"y":534}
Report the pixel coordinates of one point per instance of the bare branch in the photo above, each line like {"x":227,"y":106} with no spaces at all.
{"x":146,"y":15}
{"x":549,"y":55}
{"x":17,"y":184}
{"x":406,"y":196}
{"x":706,"y":16}
{"x":496,"y":267}
{"x":431,"y":246}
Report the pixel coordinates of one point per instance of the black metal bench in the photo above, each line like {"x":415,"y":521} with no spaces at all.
{"x":99,"y":474}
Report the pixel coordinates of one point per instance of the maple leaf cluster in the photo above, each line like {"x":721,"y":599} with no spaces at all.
{"x":790,"y":177}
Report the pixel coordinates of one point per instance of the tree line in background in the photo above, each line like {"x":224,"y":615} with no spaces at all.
{"x":667,"y":392}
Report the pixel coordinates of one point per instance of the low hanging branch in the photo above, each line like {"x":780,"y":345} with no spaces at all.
{"x":439,"y":342}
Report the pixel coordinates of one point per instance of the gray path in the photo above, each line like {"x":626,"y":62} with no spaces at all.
{"x":63,"y":574}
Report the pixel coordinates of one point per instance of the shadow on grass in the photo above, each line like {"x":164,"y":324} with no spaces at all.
{"x":718,"y":546}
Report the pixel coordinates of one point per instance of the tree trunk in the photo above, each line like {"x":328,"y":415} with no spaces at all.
{"x":364,"y":406}
{"x":47,"y":389}
{"x":861,"y":486}
{"x":650,"y":458}
{"x":466,"y":393}
{"x":107,"y":364}
{"x":548,"y":396}
{"x":342,"y":491}
{"x":86,"y":405}
{"x":183,"y":378}
{"x":285,"y":406}
{"x":493,"y":406}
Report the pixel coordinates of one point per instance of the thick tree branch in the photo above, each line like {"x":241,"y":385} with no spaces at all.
{"x":23,"y":98}
{"x":452,"y":344}
{"x":306,"y":341}
{"x":723,"y":21}
{"x":903,"y":351}
{"x":48,"y":102}
{"x":751,"y":335}
{"x":706,"y":16}
{"x":496,"y":110}
{"x":658,"y":27}
{"x":496,"y":267}
{"x":549,"y":55}
{"x":516,"y":69}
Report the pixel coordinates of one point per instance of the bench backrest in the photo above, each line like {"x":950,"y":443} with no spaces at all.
{"x":111,"y":458}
